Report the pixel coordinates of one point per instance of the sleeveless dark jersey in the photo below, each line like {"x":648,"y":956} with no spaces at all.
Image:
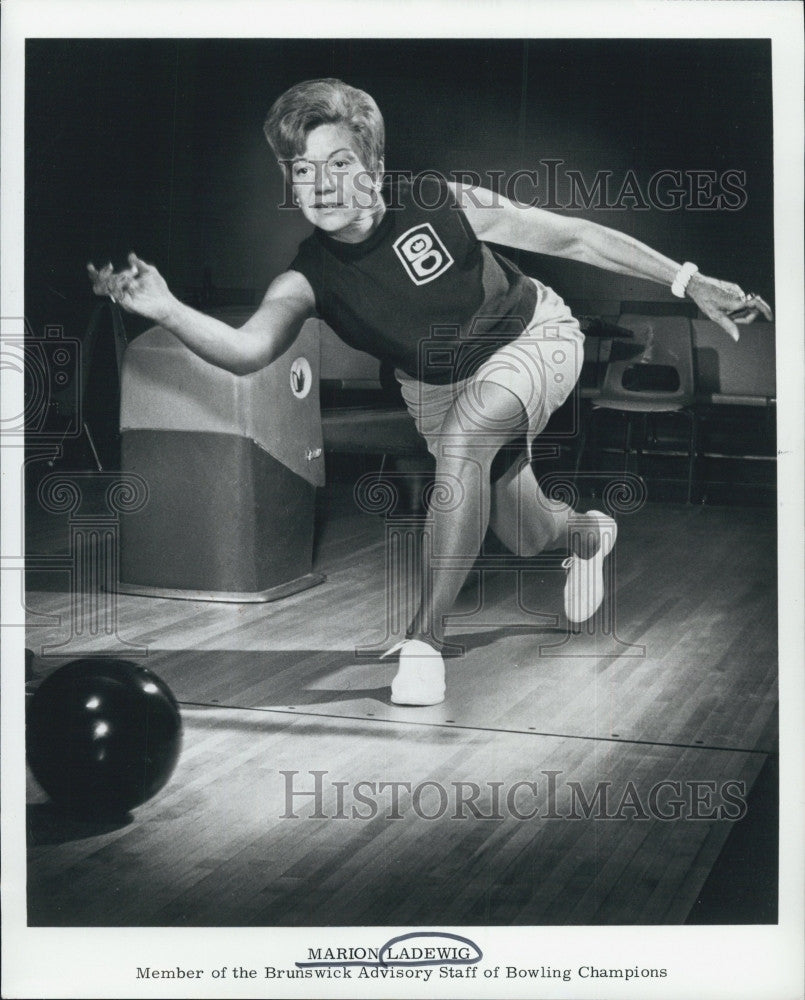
{"x":422,"y":292}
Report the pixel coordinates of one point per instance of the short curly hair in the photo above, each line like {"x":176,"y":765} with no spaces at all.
{"x":307,"y":105}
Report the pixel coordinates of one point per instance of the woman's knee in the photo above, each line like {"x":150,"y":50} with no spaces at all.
{"x":479,"y":424}
{"x":488,"y":411}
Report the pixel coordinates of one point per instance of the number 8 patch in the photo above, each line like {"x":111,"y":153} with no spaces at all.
{"x":422,"y":253}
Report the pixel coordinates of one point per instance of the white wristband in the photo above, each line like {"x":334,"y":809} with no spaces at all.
{"x":683,"y":276}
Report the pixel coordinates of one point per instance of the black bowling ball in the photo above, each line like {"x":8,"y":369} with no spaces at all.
{"x":103,"y":736}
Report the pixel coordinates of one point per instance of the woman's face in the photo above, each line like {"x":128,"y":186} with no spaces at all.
{"x":335,"y":191}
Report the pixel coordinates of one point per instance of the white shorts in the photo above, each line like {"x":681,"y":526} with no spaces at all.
{"x":540,"y":367}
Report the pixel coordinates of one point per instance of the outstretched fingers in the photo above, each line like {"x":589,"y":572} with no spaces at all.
{"x":117,"y":285}
{"x":100,"y":279}
{"x":727,"y":304}
{"x":753,"y":307}
{"x":137,"y":265}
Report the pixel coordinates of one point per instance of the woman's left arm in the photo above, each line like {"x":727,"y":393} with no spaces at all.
{"x":499,"y":220}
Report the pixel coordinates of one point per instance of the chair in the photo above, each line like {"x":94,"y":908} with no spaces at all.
{"x":649,"y":374}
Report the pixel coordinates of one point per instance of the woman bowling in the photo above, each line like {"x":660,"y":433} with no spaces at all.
{"x":483,"y":353}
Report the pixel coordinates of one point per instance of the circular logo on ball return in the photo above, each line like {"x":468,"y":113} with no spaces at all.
{"x":301,"y":378}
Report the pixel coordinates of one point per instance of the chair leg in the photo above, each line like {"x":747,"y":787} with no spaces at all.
{"x":85,"y":428}
{"x":628,"y":445}
{"x":693,"y":447}
{"x":642,"y":441}
{"x":585,"y":426}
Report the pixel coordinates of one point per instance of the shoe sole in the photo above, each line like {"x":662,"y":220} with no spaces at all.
{"x":414,"y":702}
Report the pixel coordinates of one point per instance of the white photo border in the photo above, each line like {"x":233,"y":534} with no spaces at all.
{"x":734,"y":961}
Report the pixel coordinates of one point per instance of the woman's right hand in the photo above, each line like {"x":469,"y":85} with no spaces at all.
{"x":139,"y":288}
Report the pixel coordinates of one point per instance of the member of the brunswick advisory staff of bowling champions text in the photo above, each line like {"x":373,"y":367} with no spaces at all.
{"x":383,"y":273}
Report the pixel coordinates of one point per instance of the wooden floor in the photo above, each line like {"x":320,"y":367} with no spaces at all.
{"x":681,"y":689}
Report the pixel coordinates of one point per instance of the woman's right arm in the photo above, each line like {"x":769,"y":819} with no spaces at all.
{"x":264,"y":337}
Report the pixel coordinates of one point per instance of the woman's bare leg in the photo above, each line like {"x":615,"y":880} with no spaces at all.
{"x":456,"y":527}
{"x":528,"y":523}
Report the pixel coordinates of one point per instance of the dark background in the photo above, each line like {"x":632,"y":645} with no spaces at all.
{"x":157,"y":146}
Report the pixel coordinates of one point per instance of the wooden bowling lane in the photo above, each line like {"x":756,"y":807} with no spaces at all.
{"x":218,"y":847}
{"x":504,"y":684}
{"x":670,"y":563}
{"x":681,"y":688}
{"x":680,"y":679}
{"x":684,"y":650}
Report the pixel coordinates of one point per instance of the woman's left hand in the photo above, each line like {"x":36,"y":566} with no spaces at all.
{"x":726,"y":304}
